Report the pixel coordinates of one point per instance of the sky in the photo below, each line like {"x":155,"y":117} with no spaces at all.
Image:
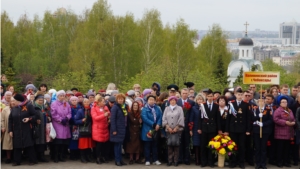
{"x":198,"y":14}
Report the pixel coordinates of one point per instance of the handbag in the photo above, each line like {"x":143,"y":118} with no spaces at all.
{"x":52,"y":133}
{"x":75,"y":133}
{"x":85,"y":130}
{"x":173,"y":139}
{"x":47,"y":133}
{"x":155,"y":135}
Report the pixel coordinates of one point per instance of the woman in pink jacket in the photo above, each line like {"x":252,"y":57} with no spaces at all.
{"x":284,"y":131}
{"x":100,"y":134}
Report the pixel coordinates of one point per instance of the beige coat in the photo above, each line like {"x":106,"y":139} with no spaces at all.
{"x":7,"y":140}
{"x":173,"y":118}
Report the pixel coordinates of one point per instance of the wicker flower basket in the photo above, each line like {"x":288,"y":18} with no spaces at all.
{"x":221,"y":160}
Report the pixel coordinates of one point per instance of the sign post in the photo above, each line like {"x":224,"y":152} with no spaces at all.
{"x":262,"y":78}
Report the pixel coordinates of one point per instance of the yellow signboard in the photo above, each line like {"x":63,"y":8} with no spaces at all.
{"x":261,"y":78}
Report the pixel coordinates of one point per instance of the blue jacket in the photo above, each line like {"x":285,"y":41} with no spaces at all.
{"x":148,"y":120}
{"x":117,"y":124}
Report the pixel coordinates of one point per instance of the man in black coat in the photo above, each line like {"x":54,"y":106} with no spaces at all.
{"x":209,"y":124}
{"x":185,"y":136}
{"x":21,"y":119}
{"x":238,"y":126}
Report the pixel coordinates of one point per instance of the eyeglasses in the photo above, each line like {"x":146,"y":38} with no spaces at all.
{"x":247,"y":95}
{"x":283,"y":102}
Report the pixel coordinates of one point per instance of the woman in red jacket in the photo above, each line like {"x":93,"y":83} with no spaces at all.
{"x":100,"y":134}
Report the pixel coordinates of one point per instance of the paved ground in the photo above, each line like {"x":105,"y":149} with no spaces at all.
{"x":78,"y":165}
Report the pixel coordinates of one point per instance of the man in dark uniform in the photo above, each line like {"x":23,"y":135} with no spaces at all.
{"x":260,"y":143}
{"x":272,"y":143}
{"x":185,"y":136}
{"x":238,"y":126}
{"x":249,"y":138}
{"x":208,"y":127}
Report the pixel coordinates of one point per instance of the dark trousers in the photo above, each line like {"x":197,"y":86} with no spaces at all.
{"x":249,"y":148}
{"x":118,"y":151}
{"x":260,"y":149}
{"x":30,"y":153}
{"x":272,"y":149}
{"x":184,"y":149}
{"x":239,"y":139}
{"x":173,"y":153}
{"x":150,"y":146}
{"x":283,"y":148}
{"x":206,"y":153}
{"x":102,"y":149}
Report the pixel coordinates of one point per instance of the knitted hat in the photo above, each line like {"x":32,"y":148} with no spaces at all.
{"x":47,"y":96}
{"x":90,"y":93}
{"x":73,"y":98}
{"x":146,"y":91}
{"x":52,"y":91}
{"x":78,"y":94}
{"x":139,"y":99}
{"x":112,"y":99}
{"x":30,"y":86}
{"x":19,"y":97}
{"x":39,"y":96}
{"x":172,"y":97}
{"x":8,"y":93}
{"x":60,"y":92}
{"x":131,"y":93}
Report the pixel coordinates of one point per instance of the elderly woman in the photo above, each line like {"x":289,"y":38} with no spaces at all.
{"x":7,"y":98}
{"x":40,"y":141}
{"x":30,"y":90}
{"x":284,"y":131}
{"x":73,"y":146}
{"x":85,"y":143}
{"x":173,"y":121}
{"x":118,"y":121}
{"x":100,"y":133}
{"x":7,"y":144}
{"x":61,"y":114}
{"x":21,"y":119}
{"x":193,"y":126}
{"x":133,"y":146}
{"x":152,"y":121}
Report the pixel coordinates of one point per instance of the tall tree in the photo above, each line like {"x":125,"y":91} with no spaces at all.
{"x":220,"y":73}
{"x":239,"y":80}
{"x":151,"y":41}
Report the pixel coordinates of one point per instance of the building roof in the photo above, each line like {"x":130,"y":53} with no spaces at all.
{"x":246,"y":41}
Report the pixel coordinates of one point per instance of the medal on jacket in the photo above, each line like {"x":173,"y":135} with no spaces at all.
{"x":240,"y":111}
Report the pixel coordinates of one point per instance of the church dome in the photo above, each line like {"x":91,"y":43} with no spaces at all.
{"x":245,"y":41}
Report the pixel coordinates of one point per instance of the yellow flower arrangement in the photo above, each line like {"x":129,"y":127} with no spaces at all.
{"x":222,"y":145}
{"x":222,"y":151}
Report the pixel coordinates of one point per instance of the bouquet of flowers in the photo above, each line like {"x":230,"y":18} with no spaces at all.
{"x":186,"y":107}
{"x":222,"y":145}
{"x":150,"y":133}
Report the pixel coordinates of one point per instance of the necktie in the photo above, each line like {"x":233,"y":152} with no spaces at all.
{"x":210,"y":107}
{"x":239,"y":103}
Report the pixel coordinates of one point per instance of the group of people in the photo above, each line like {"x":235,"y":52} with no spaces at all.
{"x":151,"y":126}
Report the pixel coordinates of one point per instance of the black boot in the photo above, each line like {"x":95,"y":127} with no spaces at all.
{"x":41,"y":157}
{"x":82,"y":156}
{"x":55,"y":154}
{"x":61,"y":156}
{"x":88,"y":155}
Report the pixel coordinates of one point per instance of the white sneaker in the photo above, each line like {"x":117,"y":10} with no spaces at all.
{"x":147,"y":163}
{"x":157,"y":162}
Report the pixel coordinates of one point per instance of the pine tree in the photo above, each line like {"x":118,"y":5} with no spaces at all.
{"x":220,"y":73}
{"x":12,"y":80}
{"x":239,"y":79}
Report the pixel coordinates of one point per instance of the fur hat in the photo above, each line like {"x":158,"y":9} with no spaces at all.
{"x":30,"y":86}
{"x":19,"y":97}
{"x":60,"y":92}
{"x":131,"y":93}
{"x":73,"y":98}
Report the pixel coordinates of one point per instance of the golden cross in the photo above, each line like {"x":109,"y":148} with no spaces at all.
{"x":246,"y":24}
